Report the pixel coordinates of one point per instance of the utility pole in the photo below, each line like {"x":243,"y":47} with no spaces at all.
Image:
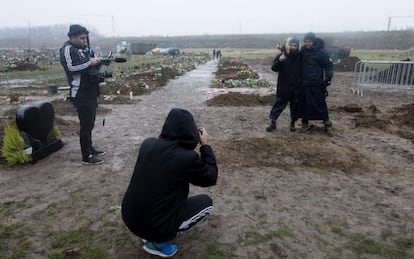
{"x":391,"y":17}
{"x":104,"y":16}
{"x":29,"y":41}
{"x":113,"y":27}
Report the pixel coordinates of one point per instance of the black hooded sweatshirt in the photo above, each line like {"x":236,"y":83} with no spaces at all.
{"x":160,"y":183}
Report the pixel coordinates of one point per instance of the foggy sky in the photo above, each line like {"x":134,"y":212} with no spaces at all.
{"x":195,"y":17}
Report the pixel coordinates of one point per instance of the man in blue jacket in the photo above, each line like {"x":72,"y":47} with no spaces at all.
{"x":317,"y":73}
{"x":156,"y":205}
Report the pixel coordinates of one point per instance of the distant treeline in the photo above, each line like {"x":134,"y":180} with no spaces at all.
{"x":54,"y":36}
{"x":36,"y":36}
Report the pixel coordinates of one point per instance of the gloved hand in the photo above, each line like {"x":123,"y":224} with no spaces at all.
{"x":324,"y":87}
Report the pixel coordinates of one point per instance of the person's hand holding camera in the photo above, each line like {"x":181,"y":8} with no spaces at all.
{"x":203,"y":136}
{"x":94,"y":61}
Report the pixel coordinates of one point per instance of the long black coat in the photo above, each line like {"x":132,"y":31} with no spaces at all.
{"x":317,"y":70}
{"x":160,"y":182}
{"x":289,"y":80}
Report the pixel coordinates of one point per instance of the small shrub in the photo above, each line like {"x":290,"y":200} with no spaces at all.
{"x":55,"y":134}
{"x":13,"y":147}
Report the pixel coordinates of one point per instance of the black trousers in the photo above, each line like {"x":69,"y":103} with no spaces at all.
{"x":86,"y":109}
{"x":280,"y":104}
{"x":196,"y":209}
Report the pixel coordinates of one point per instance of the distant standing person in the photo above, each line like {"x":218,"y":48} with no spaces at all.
{"x":317,"y":73}
{"x":288,"y":64}
{"x":214,"y":53}
{"x":218,"y":55}
{"x":156,"y":205}
{"x":79,"y":62}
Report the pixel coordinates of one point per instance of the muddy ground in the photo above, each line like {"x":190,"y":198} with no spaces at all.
{"x":279,"y":195}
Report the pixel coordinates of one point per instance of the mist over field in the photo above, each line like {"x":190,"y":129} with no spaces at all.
{"x":54,"y":36}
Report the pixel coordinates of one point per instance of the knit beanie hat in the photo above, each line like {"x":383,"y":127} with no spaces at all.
{"x":294,"y":40}
{"x":310,"y":36}
{"x":76,"y":29}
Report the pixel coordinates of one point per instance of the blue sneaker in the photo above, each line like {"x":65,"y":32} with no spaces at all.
{"x":161,"y":249}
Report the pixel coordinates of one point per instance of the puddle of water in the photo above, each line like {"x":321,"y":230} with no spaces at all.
{"x":17,"y":82}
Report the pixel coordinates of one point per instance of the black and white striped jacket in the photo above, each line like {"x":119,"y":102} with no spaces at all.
{"x":76,"y":63}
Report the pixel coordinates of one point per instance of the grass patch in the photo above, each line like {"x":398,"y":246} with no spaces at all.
{"x":361,"y":244}
{"x":283,"y":231}
{"x":389,"y":55}
{"x":11,"y":207}
{"x":76,"y":243}
{"x":256,"y":238}
{"x":13,"y":241}
{"x":52,"y":209}
{"x":310,"y":222}
{"x":338,"y":226}
{"x":214,"y":250}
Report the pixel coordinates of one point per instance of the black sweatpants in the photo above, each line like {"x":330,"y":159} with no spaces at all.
{"x":196,"y":209}
{"x":86,"y":109}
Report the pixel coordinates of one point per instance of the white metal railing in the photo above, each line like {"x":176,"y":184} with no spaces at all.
{"x":382,"y":74}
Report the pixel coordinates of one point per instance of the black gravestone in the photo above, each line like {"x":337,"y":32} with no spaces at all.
{"x":36,"y":120}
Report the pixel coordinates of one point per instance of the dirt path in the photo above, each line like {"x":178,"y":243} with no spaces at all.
{"x":279,"y":194}
{"x":82,"y":195}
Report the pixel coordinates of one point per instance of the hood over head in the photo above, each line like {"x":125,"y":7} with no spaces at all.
{"x":317,"y":45}
{"x":180,"y":126}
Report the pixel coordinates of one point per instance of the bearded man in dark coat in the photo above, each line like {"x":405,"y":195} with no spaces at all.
{"x":317,"y":73}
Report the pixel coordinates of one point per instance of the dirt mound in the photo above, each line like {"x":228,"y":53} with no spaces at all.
{"x":117,"y":99}
{"x":287,"y":152}
{"x":67,"y":127}
{"x":238,"y":99}
{"x":404,"y":115}
{"x":372,"y":121}
{"x":351,"y":108}
{"x":65,"y":107}
{"x":399,"y":116}
{"x":346,"y":65}
{"x":399,"y":121}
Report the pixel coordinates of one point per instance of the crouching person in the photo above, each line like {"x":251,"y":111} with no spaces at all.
{"x":156,"y":205}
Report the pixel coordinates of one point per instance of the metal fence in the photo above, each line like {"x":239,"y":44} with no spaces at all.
{"x":382,"y":74}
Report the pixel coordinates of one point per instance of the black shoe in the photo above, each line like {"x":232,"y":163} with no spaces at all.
{"x":328,"y":126}
{"x":98,"y":152}
{"x":306,"y":126}
{"x":272,"y":126}
{"x":292,"y":126}
{"x":92,"y":160}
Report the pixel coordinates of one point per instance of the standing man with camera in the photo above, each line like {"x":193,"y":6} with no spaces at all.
{"x":82,"y":67}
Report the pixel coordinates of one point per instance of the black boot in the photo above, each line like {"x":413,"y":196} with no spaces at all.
{"x":328,"y":126}
{"x":292,"y":126}
{"x":272,"y":126}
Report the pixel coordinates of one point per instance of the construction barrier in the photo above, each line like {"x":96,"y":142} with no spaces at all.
{"x":382,"y":74}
